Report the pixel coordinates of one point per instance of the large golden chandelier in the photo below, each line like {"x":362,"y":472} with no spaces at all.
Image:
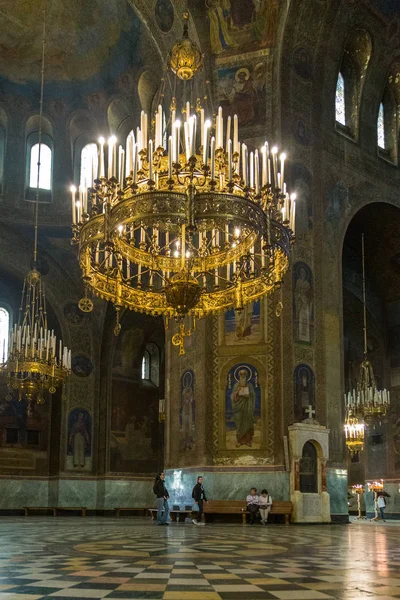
{"x":36,"y":361}
{"x":200,"y":224}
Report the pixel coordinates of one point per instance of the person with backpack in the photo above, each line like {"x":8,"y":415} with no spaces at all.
{"x":162,"y":496}
{"x":199,"y":496}
{"x":264,"y":506}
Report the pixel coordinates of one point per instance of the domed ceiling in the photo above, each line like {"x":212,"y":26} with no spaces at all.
{"x":87,"y":40}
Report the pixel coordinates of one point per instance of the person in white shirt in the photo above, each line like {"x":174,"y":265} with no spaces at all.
{"x":382,"y":506}
{"x":264,"y":504}
{"x":252,"y":505}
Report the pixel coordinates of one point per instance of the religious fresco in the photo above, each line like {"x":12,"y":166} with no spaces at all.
{"x":242,"y":408}
{"x":164,"y":14}
{"x":187,"y":411}
{"x":96,"y":36}
{"x":134,"y":436}
{"x":134,"y":427}
{"x":303,"y":304}
{"x":25,"y":430}
{"x":73,"y":313}
{"x":126,"y":352}
{"x":81,"y":365}
{"x":304,"y":391}
{"x":79,"y":438}
{"x":302,"y":63}
{"x":302,"y":133}
{"x":241,"y":92}
{"x":236,"y":25}
{"x":244,"y":326}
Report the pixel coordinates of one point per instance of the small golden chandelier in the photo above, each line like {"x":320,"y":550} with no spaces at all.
{"x":35,"y":363}
{"x":199,"y":224}
{"x":354,"y":432}
{"x":366,"y":401}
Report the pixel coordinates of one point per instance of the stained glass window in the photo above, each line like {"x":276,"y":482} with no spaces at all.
{"x":4,"y":330}
{"x":340,"y":101}
{"x":381,"y":127}
{"x":89,"y":163}
{"x":45,"y":167}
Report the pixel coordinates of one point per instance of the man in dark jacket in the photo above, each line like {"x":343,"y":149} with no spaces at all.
{"x":162,"y":496}
{"x":199,"y":496}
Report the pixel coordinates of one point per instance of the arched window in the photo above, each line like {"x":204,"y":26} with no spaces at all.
{"x":381,"y":127}
{"x":89,"y":164}
{"x":130,"y":141}
{"x":146,"y":365}
{"x":45,"y":167}
{"x":340,"y":102}
{"x":4,"y":332}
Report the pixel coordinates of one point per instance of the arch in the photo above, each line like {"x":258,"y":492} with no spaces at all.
{"x":32,"y":156}
{"x":309,"y":468}
{"x":351,"y":80}
{"x":89,"y":164}
{"x":119,"y":117}
{"x":83,"y":130}
{"x":147,"y":88}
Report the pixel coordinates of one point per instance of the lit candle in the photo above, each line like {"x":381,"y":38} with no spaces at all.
{"x":251,"y":170}
{"x":282,"y":178}
{"x":202,"y":130}
{"x":229,"y":160}
{"x":114,"y":170}
{"x":264,"y":165}
{"x":235,"y":134}
{"x":207,"y":126}
{"x":213,"y":158}
{"x":274,"y":153}
{"x":135,"y":162}
{"x":244,"y":165}
{"x":228,"y":132}
{"x":256,"y":172}
{"x":121,"y":166}
{"x":102,"y":170}
{"x":73,"y":194}
{"x":187,"y":140}
{"x":187,"y":112}
{"x":170,"y":157}
{"x":151,"y":160}
{"x":177,"y":130}
{"x":220,"y":129}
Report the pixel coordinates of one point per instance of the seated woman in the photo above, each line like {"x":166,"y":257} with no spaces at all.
{"x":264,"y":503}
{"x":252,"y":505}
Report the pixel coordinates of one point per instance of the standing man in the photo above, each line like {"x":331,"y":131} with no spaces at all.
{"x":162,"y":495}
{"x":199,"y":496}
{"x":382,"y":505}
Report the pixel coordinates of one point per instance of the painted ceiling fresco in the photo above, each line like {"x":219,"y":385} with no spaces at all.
{"x":84,"y":38}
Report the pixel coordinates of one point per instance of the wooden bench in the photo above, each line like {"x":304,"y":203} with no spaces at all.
{"x":175,"y":514}
{"x":237,"y":507}
{"x":279,"y":507}
{"x":55,"y":509}
{"x":140,"y":509}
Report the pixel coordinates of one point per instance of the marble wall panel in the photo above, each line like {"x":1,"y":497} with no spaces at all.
{"x":336,"y":485}
{"x":17,"y":493}
{"x":226,"y":485}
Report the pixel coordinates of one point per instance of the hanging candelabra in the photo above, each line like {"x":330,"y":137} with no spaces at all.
{"x":185,"y":221}
{"x":36,"y":361}
{"x":365,"y":402}
{"x":354,"y":433}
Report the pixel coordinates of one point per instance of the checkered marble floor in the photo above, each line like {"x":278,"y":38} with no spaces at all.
{"x":127,"y":558}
